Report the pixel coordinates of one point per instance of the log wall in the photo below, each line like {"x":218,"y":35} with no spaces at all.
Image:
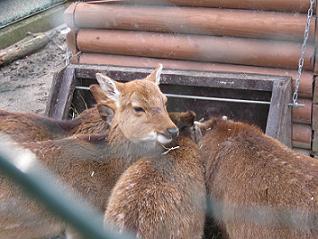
{"x":206,"y":21}
{"x":239,"y":36}
{"x":226,"y":50}
{"x":300,"y":6}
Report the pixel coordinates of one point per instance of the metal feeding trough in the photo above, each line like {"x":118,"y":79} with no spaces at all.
{"x":261,"y":100}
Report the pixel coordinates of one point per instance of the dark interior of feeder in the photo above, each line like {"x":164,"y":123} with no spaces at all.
{"x":252,"y":113}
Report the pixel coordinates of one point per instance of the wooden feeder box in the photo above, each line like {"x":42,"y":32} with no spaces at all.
{"x":271,"y":94}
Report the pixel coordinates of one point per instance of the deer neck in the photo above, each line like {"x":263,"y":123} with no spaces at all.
{"x":128,"y":149}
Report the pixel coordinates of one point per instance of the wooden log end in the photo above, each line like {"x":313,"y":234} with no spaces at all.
{"x":69,"y":15}
{"x":71,"y":42}
{"x":75,"y":59}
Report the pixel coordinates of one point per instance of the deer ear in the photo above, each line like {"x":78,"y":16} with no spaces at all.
{"x":109,"y":87}
{"x":188,"y":118}
{"x":183,"y":119}
{"x":106,"y":112}
{"x":98,"y":94}
{"x":154,"y":76}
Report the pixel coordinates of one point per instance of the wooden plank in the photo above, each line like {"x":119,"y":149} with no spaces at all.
{"x":315,"y":142}
{"x":207,"y":21}
{"x":71,"y":44}
{"x":186,"y":78}
{"x":53,"y":94}
{"x":69,"y":16}
{"x":305,"y":88}
{"x":279,"y":116}
{"x":61,"y":93}
{"x":315,"y":117}
{"x":315,"y":98}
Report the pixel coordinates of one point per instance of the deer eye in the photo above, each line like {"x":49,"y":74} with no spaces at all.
{"x":139,"y":109}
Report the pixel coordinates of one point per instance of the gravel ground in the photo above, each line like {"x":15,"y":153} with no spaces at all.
{"x":25,"y":83}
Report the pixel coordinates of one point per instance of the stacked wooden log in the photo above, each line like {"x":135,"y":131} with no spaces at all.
{"x":204,"y":35}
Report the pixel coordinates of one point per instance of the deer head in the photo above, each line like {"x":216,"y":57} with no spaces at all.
{"x":141,"y":113}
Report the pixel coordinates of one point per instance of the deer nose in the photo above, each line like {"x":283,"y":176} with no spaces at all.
{"x":173,"y":132}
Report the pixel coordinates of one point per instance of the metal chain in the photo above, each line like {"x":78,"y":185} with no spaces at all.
{"x":302,"y":54}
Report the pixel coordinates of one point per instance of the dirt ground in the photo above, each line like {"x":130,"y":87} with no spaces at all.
{"x":25,"y":83}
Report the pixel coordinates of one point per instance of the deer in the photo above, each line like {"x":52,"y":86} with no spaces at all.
{"x":258,"y":187}
{"x":91,"y":164}
{"x":28,"y":127}
{"x":162,"y":196}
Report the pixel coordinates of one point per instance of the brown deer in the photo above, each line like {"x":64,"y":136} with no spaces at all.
{"x":163,"y":196}
{"x":91,"y":165}
{"x":27,"y":127}
{"x":258,"y":187}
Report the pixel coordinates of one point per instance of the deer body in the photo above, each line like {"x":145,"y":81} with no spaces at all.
{"x":89,"y":164}
{"x":161,"y":197}
{"x":27,"y":127}
{"x":85,"y":164}
{"x":247,"y":170}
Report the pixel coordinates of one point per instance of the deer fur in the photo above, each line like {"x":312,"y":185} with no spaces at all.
{"x":91,"y":165}
{"x":164,"y":196}
{"x":85,"y":163}
{"x":258,"y":187}
{"x":28,"y":127}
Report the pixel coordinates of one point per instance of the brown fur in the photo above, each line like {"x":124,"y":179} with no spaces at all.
{"x":90,"y":165}
{"x":83,"y":163}
{"x":28,"y":127}
{"x":162,"y":197}
{"x":247,"y":170}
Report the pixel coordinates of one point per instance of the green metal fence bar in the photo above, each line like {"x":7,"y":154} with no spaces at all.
{"x":22,"y":166}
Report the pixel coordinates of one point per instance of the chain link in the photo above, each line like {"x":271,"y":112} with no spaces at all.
{"x":302,"y":53}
